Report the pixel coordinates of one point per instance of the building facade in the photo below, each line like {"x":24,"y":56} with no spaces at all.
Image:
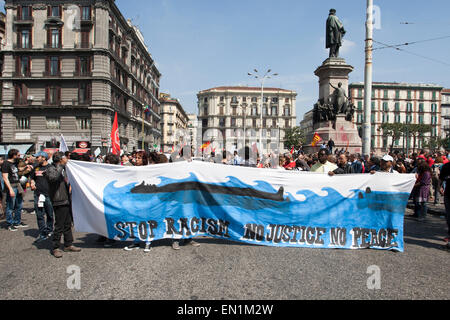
{"x":224,"y":113}
{"x":399,"y":103}
{"x":445,"y":113}
{"x":307,"y":124}
{"x":193,"y":130}
{"x":69,"y":66}
{"x":174,"y":122}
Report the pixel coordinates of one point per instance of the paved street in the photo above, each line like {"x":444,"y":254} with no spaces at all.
{"x":224,"y":270}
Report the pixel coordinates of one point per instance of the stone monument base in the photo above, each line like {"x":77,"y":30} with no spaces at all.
{"x":344,"y":134}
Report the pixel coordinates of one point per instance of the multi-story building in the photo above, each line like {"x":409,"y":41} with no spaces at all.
{"x":2,"y":46}
{"x":225,"y":112}
{"x":307,"y":124}
{"x":445,"y":113}
{"x":69,"y":66}
{"x":192,"y":130}
{"x":174,"y":122}
{"x":399,"y":103}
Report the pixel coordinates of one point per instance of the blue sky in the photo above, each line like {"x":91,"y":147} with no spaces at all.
{"x":199,"y":44}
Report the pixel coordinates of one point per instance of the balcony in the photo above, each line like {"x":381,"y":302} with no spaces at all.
{"x":83,"y":45}
{"x":86,"y":20}
{"x":20,"y":74}
{"x":22,"y":47}
{"x":51,"y":103}
{"x":52,"y":46}
{"x":50,"y":74}
{"x":22,"y":102}
{"x":114,"y":28}
{"x":54,"y":21}
{"x":23,"y":21}
{"x":82,"y":74}
{"x":77,"y":102}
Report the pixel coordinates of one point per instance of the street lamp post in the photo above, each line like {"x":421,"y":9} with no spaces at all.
{"x":267,"y":75}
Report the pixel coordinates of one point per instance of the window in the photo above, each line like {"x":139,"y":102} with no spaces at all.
{"x":233,"y":122}
{"x":397,"y":94}
{"x":83,"y":66}
{"x":85,"y":38}
{"x":53,"y":123}
{"x":205,"y":100}
{"x":23,"y":123}
{"x":24,"y":13}
{"x":397,"y":107}
{"x":360,"y":104}
{"x":254,"y":99}
{"x":421,"y":95}
{"x":409,"y":95}
{"x":360,"y":93}
{"x":287,"y":111}
{"x":244,"y":99}
{"x":274,"y":111}
{"x":420,"y":119}
{"x":54,"y":38}
{"x":409,"y":107}
{"x":234,"y":100}
{"x":274,"y":100}
{"x":386,"y":94}
{"x":286,"y":123}
{"x":205,"y":111}
{"x":434,"y":95}
{"x":21,"y":94}
{"x":84,"y":93}
{"x":421,"y":109}
{"x":373,"y":105}
{"x":222,"y":99}
{"x":84,"y":123}
{"x":53,"y":66}
{"x":222,"y":122}
{"x":23,"y":67}
{"x":254,"y":110}
{"x":24,"y":40}
{"x":54,"y":11}
{"x":385,"y":107}
{"x":265,"y":111}
{"x":53,"y":95}
{"x":85,"y":13}
{"x":266,"y":99}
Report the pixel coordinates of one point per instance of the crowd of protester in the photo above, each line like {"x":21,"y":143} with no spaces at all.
{"x":45,"y":176}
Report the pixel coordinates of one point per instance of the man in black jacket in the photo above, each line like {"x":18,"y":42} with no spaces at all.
{"x":59,"y":194}
{"x":343,"y":166}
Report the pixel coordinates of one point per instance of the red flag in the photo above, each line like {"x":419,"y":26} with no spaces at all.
{"x":316,"y":139}
{"x":115,"y":140}
{"x":292,"y":150}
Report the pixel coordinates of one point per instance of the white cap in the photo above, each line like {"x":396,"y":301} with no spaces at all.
{"x":388,"y":158}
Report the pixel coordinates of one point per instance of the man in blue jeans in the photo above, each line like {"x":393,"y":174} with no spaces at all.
{"x":14,"y":191}
{"x":42,"y":203}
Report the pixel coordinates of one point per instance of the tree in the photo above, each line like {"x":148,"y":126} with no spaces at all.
{"x":393,"y":130}
{"x":293,"y":137}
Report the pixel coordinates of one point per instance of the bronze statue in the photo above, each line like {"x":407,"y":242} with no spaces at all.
{"x":339,"y":99}
{"x":334,"y":34}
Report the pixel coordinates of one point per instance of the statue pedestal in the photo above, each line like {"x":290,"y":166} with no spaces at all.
{"x":344,"y":134}
{"x":332,"y":70}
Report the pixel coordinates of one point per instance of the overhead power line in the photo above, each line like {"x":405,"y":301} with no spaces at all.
{"x":410,"y":43}
{"x":412,"y":53}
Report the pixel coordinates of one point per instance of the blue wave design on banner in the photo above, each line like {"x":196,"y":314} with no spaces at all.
{"x":237,"y":211}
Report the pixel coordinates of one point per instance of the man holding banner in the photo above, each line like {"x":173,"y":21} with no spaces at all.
{"x":59,"y":194}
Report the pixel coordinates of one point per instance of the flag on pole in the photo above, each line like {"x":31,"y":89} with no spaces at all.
{"x":292,"y":150}
{"x":63,"y":145}
{"x":316,"y":139}
{"x":205,"y":145}
{"x":115,"y":140}
{"x":147,"y":110}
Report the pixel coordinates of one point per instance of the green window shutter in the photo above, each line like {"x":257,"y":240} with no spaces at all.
{"x":421,"y":107}
{"x":360,"y":93}
{"x":397,"y":94}
{"x":409,"y":95}
{"x":397,"y":107}
{"x":421,"y":95}
{"x":360,"y":104}
{"x":386,"y":94}
{"x":385,"y":106}
{"x":434,"y":95}
{"x":373,"y":105}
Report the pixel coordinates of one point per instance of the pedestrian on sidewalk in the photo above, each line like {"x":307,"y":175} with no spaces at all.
{"x":14,"y":191}
{"x":445,"y":191}
{"x":42,"y":203}
{"x":59,"y":194}
{"x":421,"y":191}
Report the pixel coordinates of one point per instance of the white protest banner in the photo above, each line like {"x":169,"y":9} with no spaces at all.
{"x":259,"y":206}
